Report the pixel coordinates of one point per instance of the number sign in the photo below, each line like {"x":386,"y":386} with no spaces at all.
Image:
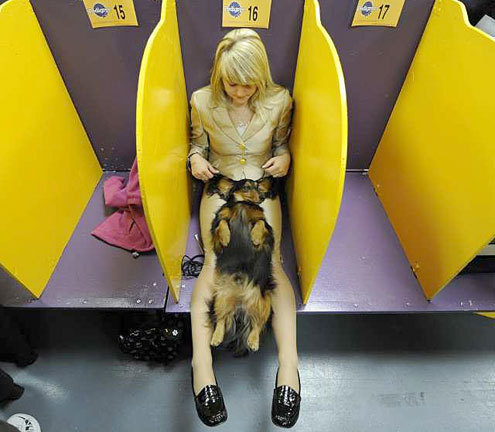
{"x":246,"y":13}
{"x":104,"y":13}
{"x":378,"y":13}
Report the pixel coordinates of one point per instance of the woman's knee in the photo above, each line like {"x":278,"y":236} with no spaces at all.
{"x":283,"y":299}
{"x":281,"y":278}
{"x":202,"y":294}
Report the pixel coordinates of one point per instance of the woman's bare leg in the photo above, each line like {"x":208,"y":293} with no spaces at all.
{"x":200,"y":323}
{"x":285,"y":329}
{"x":201,"y":330}
{"x":283,"y":305}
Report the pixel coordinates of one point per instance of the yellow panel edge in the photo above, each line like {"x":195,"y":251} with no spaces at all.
{"x":486,"y":314}
{"x":32,"y":247}
{"x":311,"y":246}
{"x":169,"y":236}
{"x":464,"y":171}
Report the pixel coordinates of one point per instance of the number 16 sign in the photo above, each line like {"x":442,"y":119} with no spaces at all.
{"x":246,"y":13}
{"x":378,"y":13}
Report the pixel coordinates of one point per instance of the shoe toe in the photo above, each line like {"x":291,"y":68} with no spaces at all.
{"x":210,"y":406}
{"x":285,"y":406}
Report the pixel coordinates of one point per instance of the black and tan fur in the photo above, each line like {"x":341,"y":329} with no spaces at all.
{"x":243,"y":243}
{"x":254,"y":191}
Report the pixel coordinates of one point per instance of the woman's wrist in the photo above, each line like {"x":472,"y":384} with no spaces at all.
{"x":189,"y":160}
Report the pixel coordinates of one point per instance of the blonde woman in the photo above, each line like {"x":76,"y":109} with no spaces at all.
{"x":240,"y":128}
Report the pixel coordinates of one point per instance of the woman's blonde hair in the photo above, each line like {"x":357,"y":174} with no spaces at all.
{"x":241,"y":59}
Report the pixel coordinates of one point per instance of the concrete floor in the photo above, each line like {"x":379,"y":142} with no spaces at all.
{"x":406,"y":373}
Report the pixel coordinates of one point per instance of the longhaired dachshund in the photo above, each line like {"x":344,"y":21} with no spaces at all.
{"x":243,"y":243}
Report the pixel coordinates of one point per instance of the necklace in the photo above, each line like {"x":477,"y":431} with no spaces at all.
{"x":241,"y":124}
{"x":240,"y":117}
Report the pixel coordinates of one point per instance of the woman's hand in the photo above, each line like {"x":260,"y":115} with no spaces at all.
{"x":278,"y":166}
{"x":201,"y":168}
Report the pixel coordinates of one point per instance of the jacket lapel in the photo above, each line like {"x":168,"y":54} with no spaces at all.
{"x":255,"y":125}
{"x":223,"y":121}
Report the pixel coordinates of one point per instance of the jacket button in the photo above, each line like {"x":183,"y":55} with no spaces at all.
{"x":242,"y":161}
{"x":242,"y":146}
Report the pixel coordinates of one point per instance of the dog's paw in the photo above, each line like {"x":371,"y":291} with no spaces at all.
{"x":253,"y":341}
{"x":258,"y":233}
{"x":216,"y":340}
{"x":217,"y":337}
{"x":224,"y":233}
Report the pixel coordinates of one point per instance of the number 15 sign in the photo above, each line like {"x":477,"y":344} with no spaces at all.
{"x":111,"y":13}
{"x":378,"y":13}
{"x":246,"y":13}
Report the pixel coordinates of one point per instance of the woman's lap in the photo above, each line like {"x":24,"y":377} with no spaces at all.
{"x":283,"y":301}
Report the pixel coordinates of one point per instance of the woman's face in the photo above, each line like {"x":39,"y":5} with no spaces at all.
{"x":239,"y":93}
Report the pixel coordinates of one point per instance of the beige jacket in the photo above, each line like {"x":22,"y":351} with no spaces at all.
{"x":214,"y":136}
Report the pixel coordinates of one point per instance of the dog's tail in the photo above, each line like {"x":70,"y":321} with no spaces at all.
{"x":238,"y":315}
{"x":237,"y":333}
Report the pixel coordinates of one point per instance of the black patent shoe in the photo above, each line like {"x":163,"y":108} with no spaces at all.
{"x":285,"y":404}
{"x":209,"y":404}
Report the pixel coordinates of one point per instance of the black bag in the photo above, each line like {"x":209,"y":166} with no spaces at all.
{"x":156,"y":337}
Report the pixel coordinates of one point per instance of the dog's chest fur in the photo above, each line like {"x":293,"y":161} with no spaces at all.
{"x":240,"y":258}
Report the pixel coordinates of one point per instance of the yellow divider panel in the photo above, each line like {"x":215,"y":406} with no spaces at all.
{"x":318,"y":145}
{"x":162,"y":144}
{"x":48,"y":170}
{"x":434,"y":167}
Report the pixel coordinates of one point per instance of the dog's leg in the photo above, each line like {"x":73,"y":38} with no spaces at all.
{"x":224,"y":233}
{"x":258,"y":233}
{"x":220,"y":231}
{"x":258,"y":309}
{"x":253,"y":339}
{"x":218,"y":334}
{"x":223,"y":306}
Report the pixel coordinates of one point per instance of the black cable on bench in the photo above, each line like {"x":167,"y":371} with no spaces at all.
{"x":191,"y":267}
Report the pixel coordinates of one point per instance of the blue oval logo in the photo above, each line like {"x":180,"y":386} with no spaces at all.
{"x":367,"y":8}
{"x":100,"y":10}
{"x":234,"y":9}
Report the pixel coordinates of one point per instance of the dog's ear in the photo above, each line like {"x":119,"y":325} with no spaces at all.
{"x":264,"y":185}
{"x":219,"y":185}
{"x":224,"y":187}
{"x":268,"y":187}
{"x":212,"y":185}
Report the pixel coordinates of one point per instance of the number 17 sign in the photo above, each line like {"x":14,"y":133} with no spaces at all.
{"x":378,"y":13}
{"x":246,"y":13}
